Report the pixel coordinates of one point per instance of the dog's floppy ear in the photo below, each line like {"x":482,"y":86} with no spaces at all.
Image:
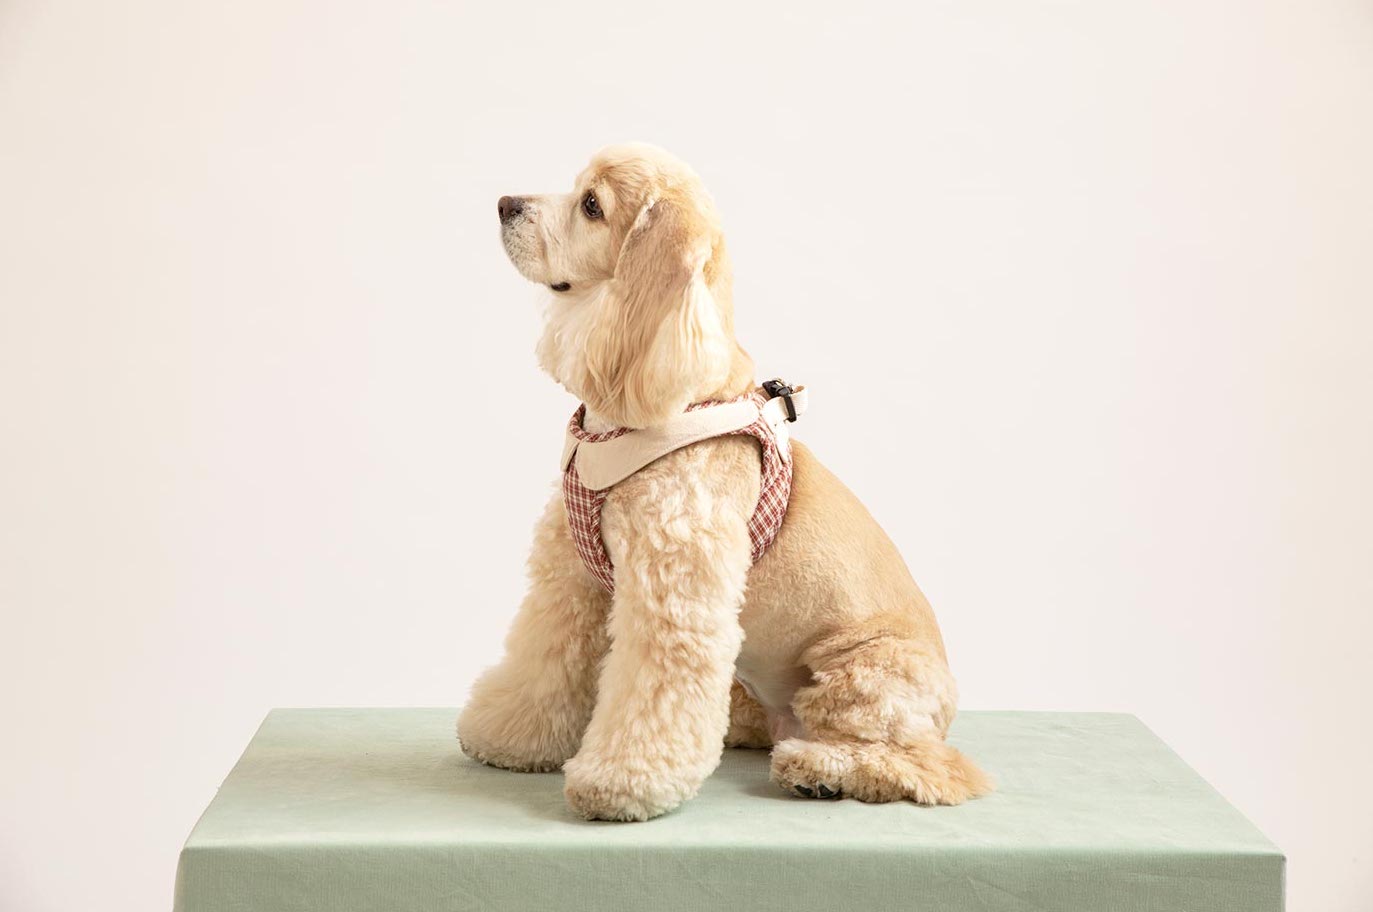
{"x":660,"y":340}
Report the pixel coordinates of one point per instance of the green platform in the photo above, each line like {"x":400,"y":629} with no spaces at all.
{"x":376,"y":810}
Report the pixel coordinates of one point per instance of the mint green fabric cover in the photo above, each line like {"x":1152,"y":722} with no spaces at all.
{"x":375,"y":810}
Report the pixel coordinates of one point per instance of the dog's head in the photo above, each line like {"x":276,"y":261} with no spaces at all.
{"x":641,"y":322}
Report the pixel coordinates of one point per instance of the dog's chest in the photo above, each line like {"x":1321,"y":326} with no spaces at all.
{"x":595,"y":461}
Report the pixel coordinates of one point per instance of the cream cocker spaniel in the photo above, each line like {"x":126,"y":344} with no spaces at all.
{"x":648,"y":643}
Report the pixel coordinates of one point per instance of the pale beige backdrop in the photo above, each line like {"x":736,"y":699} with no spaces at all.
{"x":1083,"y":291}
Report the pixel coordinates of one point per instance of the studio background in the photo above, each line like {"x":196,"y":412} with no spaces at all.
{"x":1082,"y":291}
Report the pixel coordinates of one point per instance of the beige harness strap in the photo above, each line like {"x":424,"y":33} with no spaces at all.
{"x":603,"y":464}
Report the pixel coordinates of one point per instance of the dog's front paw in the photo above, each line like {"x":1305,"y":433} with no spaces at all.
{"x":510,"y":740}
{"x":601,"y":790}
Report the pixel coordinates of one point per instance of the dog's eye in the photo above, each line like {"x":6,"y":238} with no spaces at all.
{"x":591,"y":206}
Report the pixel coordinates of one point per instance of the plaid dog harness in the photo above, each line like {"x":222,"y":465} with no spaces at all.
{"x":594,"y":463}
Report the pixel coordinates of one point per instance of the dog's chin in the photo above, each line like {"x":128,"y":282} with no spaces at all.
{"x":525,"y":257}
{"x":539,"y":275}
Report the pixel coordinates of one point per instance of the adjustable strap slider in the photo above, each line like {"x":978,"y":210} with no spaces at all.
{"x":778,"y":388}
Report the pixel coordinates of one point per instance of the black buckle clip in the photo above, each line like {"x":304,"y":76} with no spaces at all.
{"x":778,"y":387}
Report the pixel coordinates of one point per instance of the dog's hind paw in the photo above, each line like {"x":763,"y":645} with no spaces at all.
{"x":930,"y":772}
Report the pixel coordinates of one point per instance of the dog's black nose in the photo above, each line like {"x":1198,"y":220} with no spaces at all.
{"x":509,"y":207}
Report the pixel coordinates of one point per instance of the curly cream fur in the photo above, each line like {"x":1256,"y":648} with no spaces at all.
{"x":825,"y":650}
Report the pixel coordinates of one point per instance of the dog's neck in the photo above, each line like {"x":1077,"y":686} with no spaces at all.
{"x":740,"y":382}
{"x":596,"y":423}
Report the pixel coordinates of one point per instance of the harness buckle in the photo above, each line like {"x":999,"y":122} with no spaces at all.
{"x":778,"y":387}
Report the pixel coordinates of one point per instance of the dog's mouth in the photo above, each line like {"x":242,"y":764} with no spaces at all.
{"x":560,"y":286}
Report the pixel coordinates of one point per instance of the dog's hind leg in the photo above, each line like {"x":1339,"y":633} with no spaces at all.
{"x":529,"y":712}
{"x":875,"y":716}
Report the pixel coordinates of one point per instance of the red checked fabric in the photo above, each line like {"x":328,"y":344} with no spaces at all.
{"x":584,"y":505}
